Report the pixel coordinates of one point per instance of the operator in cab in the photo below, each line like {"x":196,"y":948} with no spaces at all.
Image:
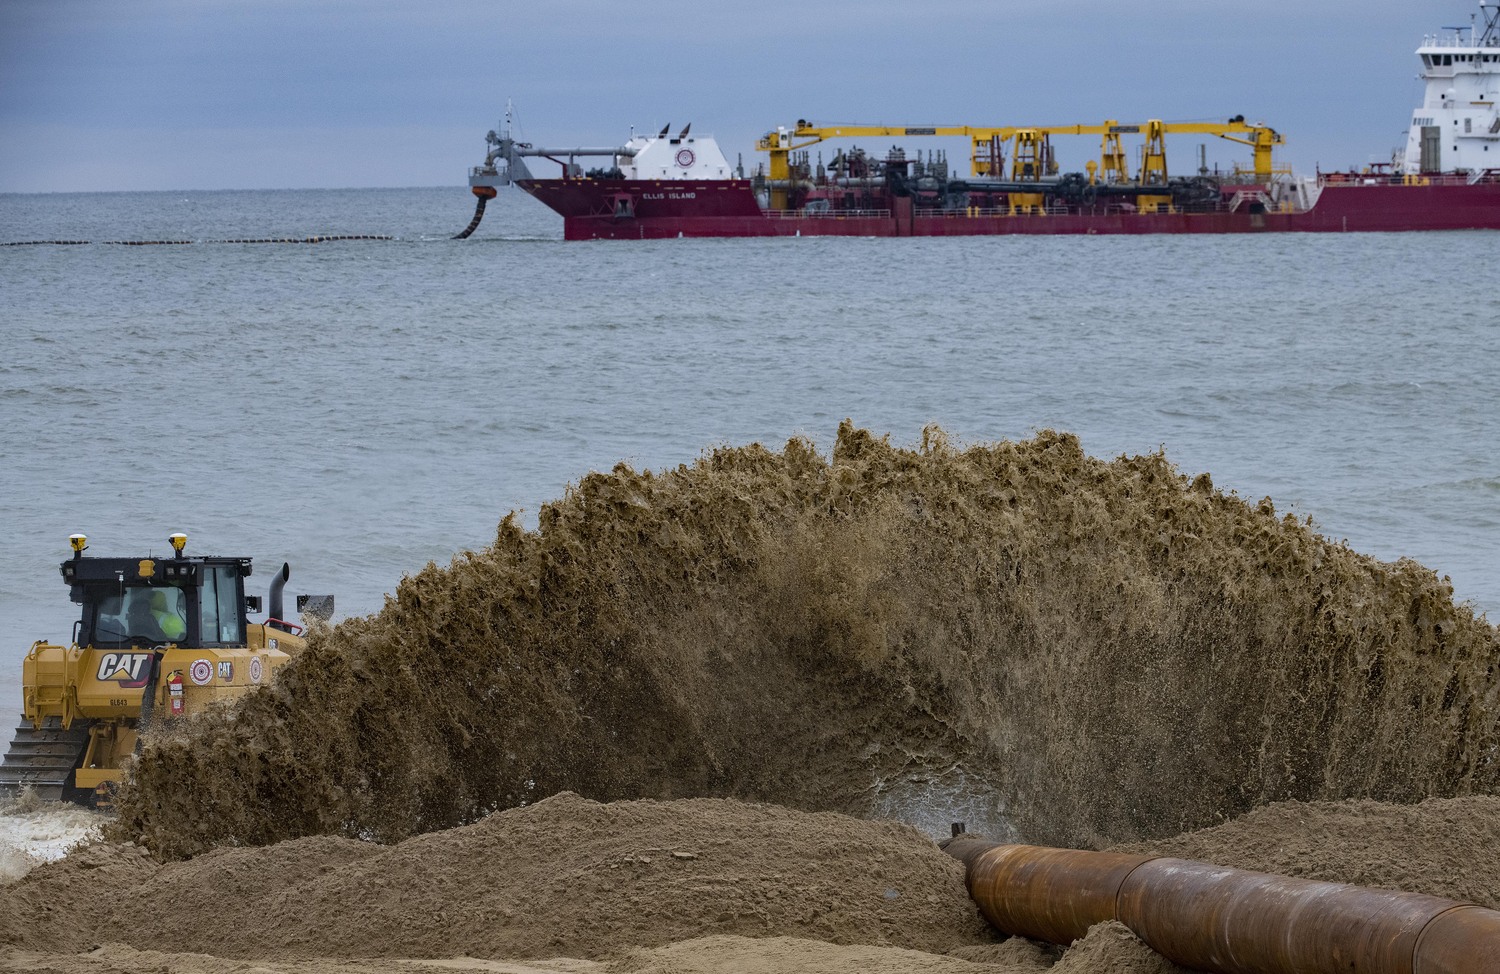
{"x":169,"y":620}
{"x":156,"y":616}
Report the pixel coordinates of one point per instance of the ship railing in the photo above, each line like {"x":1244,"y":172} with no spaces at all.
{"x":982,"y":211}
{"x":1412,"y":179}
{"x":1241,"y":200}
{"x":1453,"y":40}
{"x":826,"y":214}
{"x":974,"y":211}
{"x":1098,"y":209}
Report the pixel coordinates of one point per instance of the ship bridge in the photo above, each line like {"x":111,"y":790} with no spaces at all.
{"x":1457,"y":126}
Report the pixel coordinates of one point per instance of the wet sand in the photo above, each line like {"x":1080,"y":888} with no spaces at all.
{"x":698,"y":885}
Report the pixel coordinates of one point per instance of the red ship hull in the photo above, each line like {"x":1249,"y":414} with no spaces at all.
{"x":618,"y":209}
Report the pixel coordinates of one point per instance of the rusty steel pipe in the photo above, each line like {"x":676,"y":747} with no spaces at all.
{"x":1016,"y":888}
{"x":1466,"y":938}
{"x":1228,"y":921}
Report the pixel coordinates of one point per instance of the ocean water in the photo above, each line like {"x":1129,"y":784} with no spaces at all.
{"x":361,"y":408}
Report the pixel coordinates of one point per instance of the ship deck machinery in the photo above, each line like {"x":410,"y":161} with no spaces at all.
{"x":1032,"y":186}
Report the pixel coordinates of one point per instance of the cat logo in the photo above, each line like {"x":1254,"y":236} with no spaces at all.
{"x":125,"y":669}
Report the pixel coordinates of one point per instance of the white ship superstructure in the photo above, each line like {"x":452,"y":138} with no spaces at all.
{"x":642,"y":158}
{"x":1457,"y":128}
{"x":664,"y":157}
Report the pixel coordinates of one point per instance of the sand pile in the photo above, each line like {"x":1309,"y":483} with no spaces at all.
{"x":680,"y":887}
{"x":564,"y":877}
{"x":58,"y":906}
{"x":1113,"y":948}
{"x":1049,"y":646}
{"x":1443,"y":847}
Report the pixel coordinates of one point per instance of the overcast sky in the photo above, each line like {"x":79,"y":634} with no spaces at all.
{"x":217,"y":94}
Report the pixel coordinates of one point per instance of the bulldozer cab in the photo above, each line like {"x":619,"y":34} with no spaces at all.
{"x":156,"y":639}
{"x":189,"y":602}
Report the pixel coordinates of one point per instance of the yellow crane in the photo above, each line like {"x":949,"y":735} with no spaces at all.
{"x":781,"y":143}
{"x":1031,"y":157}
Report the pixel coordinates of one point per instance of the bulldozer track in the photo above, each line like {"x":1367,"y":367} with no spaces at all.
{"x":43,"y":759}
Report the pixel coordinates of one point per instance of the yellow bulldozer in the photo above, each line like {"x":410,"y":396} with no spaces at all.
{"x":159,"y":639}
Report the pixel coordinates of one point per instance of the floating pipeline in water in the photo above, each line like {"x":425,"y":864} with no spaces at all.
{"x":1228,"y":921}
{"x":183,"y":243}
{"x":302,"y":240}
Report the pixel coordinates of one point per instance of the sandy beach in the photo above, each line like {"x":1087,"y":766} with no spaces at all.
{"x":652,"y":887}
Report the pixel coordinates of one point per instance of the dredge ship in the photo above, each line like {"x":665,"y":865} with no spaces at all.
{"x":1447,"y":177}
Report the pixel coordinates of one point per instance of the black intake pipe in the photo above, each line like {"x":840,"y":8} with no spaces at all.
{"x":485,"y":194}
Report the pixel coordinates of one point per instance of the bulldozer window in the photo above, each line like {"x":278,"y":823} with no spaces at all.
{"x":139,"y":616}
{"x":219,"y":614}
{"x":110,"y":624}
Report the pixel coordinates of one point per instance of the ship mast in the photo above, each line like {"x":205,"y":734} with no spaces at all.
{"x":1491,"y":36}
